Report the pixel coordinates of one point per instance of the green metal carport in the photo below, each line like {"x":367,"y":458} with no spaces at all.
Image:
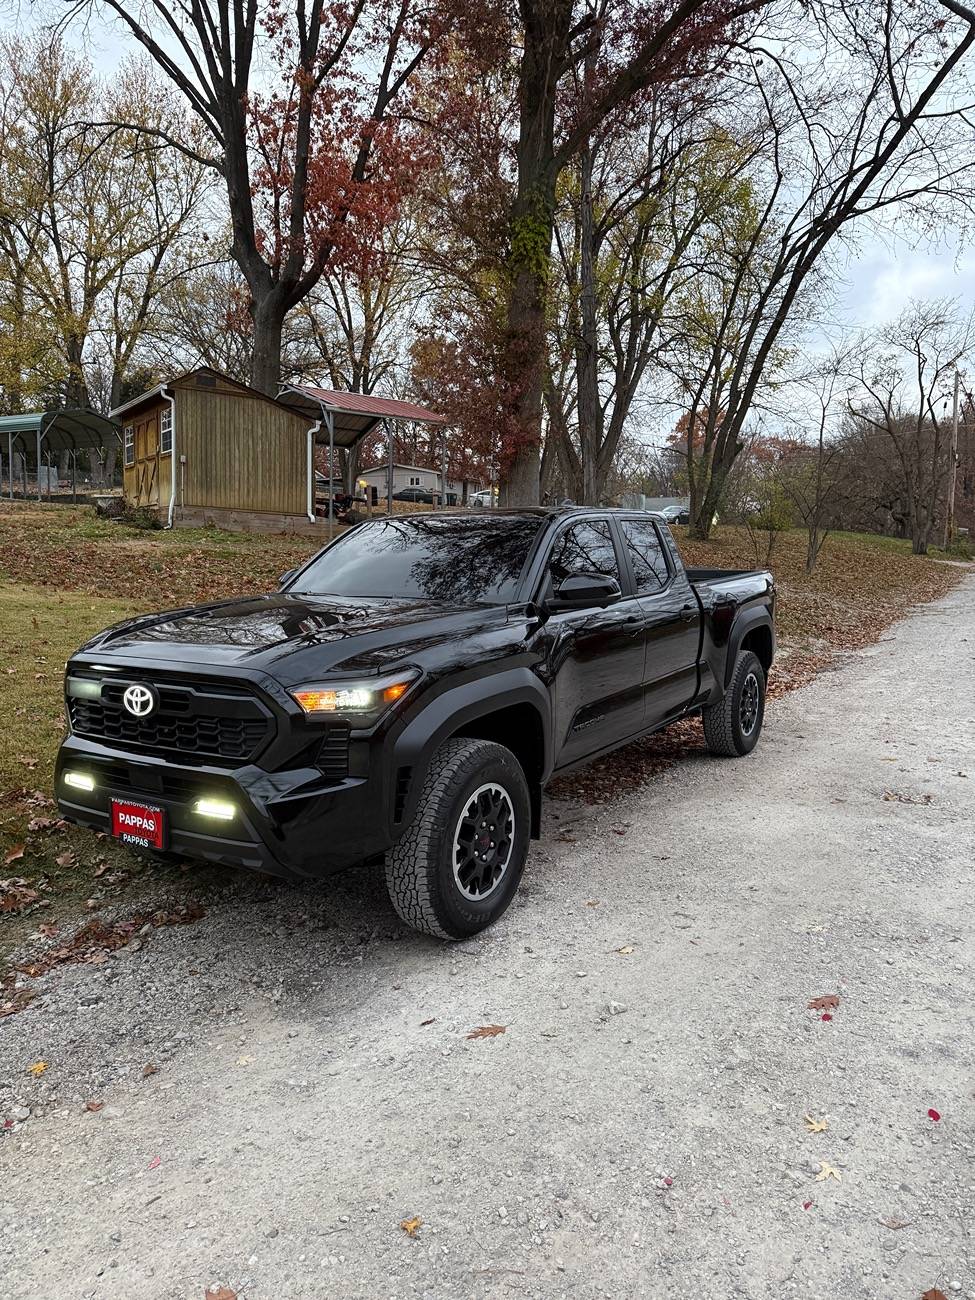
{"x":49,"y":433}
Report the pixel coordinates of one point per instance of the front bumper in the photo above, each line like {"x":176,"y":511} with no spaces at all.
{"x":296,"y":823}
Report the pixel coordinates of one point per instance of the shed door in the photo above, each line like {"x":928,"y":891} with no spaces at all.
{"x":147,"y":460}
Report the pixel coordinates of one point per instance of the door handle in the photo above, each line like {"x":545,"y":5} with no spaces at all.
{"x":687,"y":612}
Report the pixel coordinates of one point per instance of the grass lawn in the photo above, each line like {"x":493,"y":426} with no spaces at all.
{"x":64,"y":574}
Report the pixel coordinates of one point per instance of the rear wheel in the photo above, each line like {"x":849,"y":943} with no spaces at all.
{"x":457,"y":867}
{"x":733,"y":725}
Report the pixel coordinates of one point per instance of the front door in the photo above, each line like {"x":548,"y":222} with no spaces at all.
{"x":147,"y":460}
{"x":672,"y":622}
{"x":596,"y":655}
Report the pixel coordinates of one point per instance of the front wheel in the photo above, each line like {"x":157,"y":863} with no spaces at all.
{"x":456,"y":868}
{"x":733,"y":725}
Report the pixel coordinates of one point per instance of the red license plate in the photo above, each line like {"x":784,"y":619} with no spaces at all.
{"x":138,"y":824}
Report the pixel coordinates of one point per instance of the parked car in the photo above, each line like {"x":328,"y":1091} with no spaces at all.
{"x":406,"y":695}
{"x":418,"y":494}
{"x":486,"y":499}
{"x":674,"y":514}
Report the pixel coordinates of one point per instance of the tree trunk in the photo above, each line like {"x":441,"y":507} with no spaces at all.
{"x":268,"y":316}
{"x":532,"y":224}
{"x":587,"y":357}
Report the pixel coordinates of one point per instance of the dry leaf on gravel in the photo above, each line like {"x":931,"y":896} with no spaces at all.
{"x":149,"y":1069}
{"x":487,"y":1031}
{"x":37,"y":1069}
{"x":934,"y":1294}
{"x":827,"y":1171}
{"x":411,"y":1226}
{"x":815,"y":1125}
{"x":625,"y":950}
{"x":431,"y":1021}
{"x":219,"y":1293}
{"x":94,"y":1106}
{"x":895,"y":1224}
{"x":825,"y":1003}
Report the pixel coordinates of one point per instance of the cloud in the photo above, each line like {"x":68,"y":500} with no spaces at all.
{"x":882,"y":282}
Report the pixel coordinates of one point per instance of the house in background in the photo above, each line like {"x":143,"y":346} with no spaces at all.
{"x":203,"y":448}
{"x":414,"y":476}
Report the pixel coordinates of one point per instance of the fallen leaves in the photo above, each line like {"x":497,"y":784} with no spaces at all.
{"x":487,"y":1031}
{"x":411,"y":1226}
{"x":900,"y":796}
{"x":14,"y":854}
{"x":827,"y":1002}
{"x":815,"y":1125}
{"x":149,"y":1069}
{"x":895,"y":1225}
{"x":626,"y":950}
{"x":16,"y":895}
{"x":934,"y":1294}
{"x":95,"y":940}
{"x":219,"y":1293}
{"x":94,"y":1106}
{"x":431,"y":1021}
{"x":67,"y":859}
{"x":37,"y":1069}
{"x":155,"y":1162}
{"x":827,"y":1171}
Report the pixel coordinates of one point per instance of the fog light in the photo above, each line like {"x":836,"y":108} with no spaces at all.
{"x":215,"y":808}
{"x":79,"y":780}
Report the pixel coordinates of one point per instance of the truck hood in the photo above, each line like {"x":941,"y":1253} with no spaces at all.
{"x":292,"y":635}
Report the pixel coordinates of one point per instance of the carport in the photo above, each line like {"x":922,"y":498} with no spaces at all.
{"x":48,"y":434}
{"x":344,"y":419}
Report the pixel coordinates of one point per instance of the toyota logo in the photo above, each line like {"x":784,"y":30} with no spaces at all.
{"x":139,"y":700}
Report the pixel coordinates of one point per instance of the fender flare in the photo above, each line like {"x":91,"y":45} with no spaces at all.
{"x":747,"y":621}
{"x":449,"y":712}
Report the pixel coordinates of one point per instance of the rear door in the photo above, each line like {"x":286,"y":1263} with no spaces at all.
{"x":596,"y":655}
{"x":672,"y":620}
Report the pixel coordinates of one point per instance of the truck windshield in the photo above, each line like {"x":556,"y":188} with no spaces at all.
{"x":475,"y":560}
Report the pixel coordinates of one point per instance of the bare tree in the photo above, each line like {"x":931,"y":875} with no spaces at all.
{"x":813,"y":471}
{"x":869,"y":121}
{"x":903,"y":382}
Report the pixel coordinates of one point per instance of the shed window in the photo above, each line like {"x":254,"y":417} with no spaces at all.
{"x":128,"y":443}
{"x":166,"y":431}
{"x":415,"y":480}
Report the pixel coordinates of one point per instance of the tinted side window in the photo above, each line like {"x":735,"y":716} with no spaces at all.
{"x":650,"y":570}
{"x":584,"y":548}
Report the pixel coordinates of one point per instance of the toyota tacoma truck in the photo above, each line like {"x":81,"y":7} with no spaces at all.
{"x":406,"y":695}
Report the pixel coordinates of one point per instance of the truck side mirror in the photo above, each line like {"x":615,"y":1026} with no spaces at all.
{"x":585,"y":591}
{"x":286,"y":577}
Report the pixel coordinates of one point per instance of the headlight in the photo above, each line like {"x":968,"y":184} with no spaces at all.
{"x":363,"y":698}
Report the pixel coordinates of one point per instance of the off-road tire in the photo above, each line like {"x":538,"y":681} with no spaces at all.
{"x":724,"y":729}
{"x":420,"y":873}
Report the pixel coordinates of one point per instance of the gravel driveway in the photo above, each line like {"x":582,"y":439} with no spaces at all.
{"x":638,"y":1130}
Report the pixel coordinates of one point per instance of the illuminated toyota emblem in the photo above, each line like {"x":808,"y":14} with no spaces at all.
{"x":139,"y":700}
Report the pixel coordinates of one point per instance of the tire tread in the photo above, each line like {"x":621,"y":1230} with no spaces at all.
{"x":409,"y":877}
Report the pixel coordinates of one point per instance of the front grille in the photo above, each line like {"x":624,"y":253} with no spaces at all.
{"x":194,"y":722}
{"x":161,"y":782}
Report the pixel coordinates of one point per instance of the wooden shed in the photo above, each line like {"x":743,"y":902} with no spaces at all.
{"x":203,"y":448}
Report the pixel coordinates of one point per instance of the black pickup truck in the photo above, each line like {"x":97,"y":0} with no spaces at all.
{"x":406,"y":695}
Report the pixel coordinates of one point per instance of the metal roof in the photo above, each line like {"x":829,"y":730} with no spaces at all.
{"x":353,"y":415}
{"x":62,"y":430}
